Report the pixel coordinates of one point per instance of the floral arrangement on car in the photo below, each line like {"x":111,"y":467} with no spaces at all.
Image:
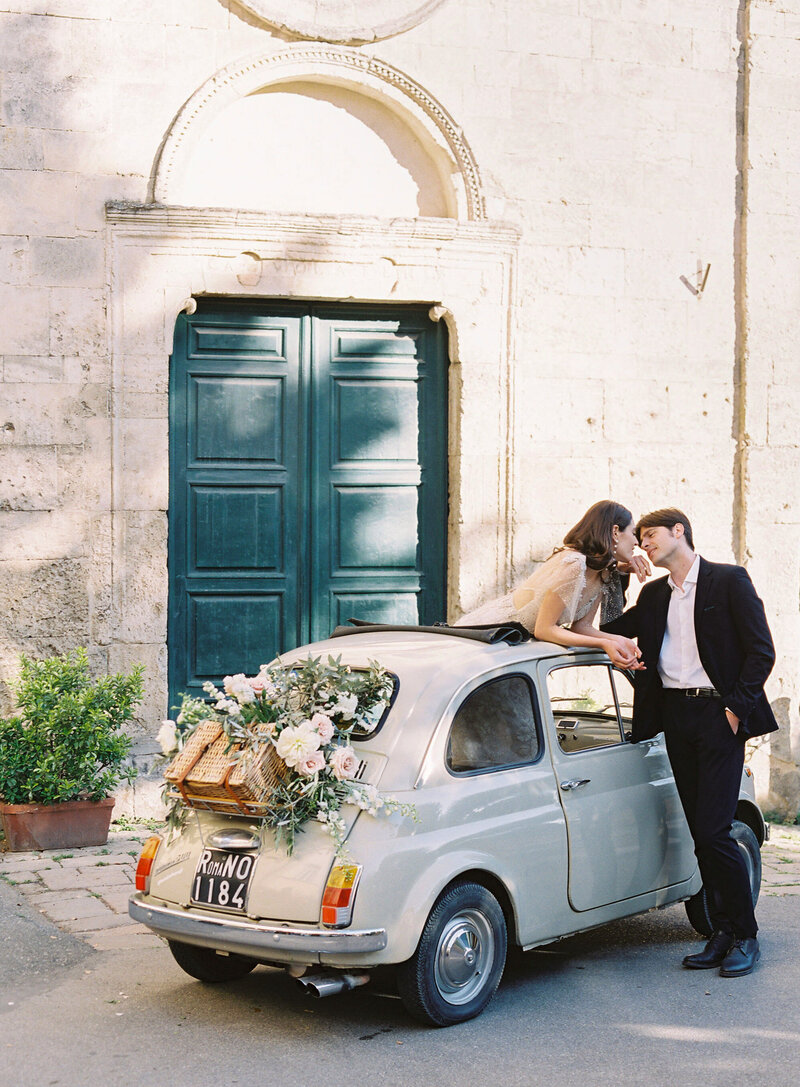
{"x":278,"y":746}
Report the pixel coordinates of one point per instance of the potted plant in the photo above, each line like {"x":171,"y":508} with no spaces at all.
{"x":63,"y":752}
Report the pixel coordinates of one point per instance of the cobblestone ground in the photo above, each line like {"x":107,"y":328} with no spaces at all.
{"x":780,"y":857}
{"x":85,"y":891}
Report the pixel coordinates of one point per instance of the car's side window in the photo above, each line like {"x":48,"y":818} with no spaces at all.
{"x":584,"y":707}
{"x":494,"y":727}
{"x":623,"y":684}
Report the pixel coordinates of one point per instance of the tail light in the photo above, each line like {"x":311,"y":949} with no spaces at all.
{"x":340,"y":894}
{"x":143,"y":868}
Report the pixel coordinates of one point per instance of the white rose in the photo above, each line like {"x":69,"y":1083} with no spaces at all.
{"x":238,"y":687}
{"x":344,"y":763}
{"x":296,"y":743}
{"x":167,"y":737}
{"x":345,"y":706}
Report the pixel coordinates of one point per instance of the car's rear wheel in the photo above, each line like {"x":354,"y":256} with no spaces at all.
{"x":205,"y":964}
{"x":697,"y":907}
{"x":457,"y":966}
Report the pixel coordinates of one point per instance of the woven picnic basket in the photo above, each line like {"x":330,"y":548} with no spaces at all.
{"x":210,"y":773}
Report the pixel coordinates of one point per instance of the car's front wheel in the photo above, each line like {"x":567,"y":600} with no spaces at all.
{"x":697,"y":908}
{"x":205,"y":964}
{"x":459,"y":961}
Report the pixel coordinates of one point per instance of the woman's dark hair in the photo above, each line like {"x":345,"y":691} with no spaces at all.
{"x":593,"y":535}
{"x":666,"y":518}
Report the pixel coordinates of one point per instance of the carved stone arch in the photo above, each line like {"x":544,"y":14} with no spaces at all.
{"x":342,"y":21}
{"x":366,"y":75}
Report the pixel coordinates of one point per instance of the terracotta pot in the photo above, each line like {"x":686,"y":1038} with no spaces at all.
{"x":72,"y":824}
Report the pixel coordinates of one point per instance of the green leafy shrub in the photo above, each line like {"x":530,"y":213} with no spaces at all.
{"x":66,"y":741}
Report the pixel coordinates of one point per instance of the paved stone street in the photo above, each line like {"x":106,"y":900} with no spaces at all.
{"x":85,"y":891}
{"x":781,"y":862}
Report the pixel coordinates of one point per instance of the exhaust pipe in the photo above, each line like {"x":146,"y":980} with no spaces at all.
{"x":319,"y":985}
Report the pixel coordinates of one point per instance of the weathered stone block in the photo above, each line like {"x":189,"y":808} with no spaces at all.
{"x":28,"y":479}
{"x":21,"y":149}
{"x":78,"y":317}
{"x":67,"y":262}
{"x":658,"y":46}
{"x":13,"y":260}
{"x":140,"y":592}
{"x":81,"y":103}
{"x":121,"y":658}
{"x":84,"y":471}
{"x":19,"y":369}
{"x":37,"y":202}
{"x":44,"y":414}
{"x":144,"y":448}
{"x":46,"y":601}
{"x":26,"y":323}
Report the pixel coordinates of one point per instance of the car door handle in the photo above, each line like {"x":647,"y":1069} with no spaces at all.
{"x":574,"y":783}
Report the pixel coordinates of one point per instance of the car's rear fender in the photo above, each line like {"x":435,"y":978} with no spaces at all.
{"x":406,"y":868}
{"x":747,"y":811}
{"x":409,"y":912}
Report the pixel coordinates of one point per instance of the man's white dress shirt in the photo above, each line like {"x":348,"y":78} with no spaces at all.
{"x":679,"y":663}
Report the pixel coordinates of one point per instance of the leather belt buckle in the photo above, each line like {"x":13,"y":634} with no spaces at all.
{"x":701,"y":692}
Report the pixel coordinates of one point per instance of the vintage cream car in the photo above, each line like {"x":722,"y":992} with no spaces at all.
{"x":535,"y":819}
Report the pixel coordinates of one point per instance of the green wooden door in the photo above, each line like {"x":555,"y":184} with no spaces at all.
{"x":308,"y":463}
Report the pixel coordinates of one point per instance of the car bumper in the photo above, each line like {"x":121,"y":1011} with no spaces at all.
{"x":267,"y":942}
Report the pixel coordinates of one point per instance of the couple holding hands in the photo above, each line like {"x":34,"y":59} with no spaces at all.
{"x":700,"y":649}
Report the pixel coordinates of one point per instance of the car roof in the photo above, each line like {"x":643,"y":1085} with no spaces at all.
{"x":401,"y":651}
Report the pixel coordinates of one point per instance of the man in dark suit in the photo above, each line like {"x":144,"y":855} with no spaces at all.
{"x":707,"y":651}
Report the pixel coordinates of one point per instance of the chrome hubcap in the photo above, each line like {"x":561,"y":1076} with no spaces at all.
{"x":464,"y":956}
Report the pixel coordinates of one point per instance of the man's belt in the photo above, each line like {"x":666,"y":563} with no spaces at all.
{"x":695,"y":692}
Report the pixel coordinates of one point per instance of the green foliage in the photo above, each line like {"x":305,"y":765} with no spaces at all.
{"x":782,"y":818}
{"x":66,"y":741}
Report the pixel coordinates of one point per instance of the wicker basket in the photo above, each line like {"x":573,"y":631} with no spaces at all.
{"x":197,"y":743}
{"x":216,"y":777}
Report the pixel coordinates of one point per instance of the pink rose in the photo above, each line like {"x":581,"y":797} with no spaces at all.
{"x":324,"y":726}
{"x":344,"y":763}
{"x":311,"y":764}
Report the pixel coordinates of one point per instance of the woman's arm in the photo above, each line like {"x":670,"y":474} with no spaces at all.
{"x":622,"y":651}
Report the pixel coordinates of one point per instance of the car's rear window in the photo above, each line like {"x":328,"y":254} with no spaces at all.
{"x":495,"y":727}
{"x":362,"y":732}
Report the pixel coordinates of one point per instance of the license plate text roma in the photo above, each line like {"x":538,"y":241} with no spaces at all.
{"x":221,"y":879}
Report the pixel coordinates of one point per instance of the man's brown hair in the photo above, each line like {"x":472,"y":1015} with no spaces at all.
{"x":666,"y":518}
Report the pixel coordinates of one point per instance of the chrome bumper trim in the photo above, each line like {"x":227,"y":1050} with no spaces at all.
{"x":254,"y":939}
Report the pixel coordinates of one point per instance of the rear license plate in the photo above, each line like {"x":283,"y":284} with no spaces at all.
{"x":222,"y":879}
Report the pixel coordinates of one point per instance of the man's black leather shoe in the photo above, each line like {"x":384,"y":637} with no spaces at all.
{"x":713,"y":954}
{"x":741,"y":958}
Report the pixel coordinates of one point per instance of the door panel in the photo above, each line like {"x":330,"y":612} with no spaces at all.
{"x":625,"y":825}
{"x":308,"y":454}
{"x":236,"y":527}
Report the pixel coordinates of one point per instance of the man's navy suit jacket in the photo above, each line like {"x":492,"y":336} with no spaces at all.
{"x":733,"y":640}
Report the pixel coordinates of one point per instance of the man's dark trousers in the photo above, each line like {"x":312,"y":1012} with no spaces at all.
{"x":707,"y":759}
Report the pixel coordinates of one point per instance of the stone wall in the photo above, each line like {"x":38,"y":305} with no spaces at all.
{"x":634,"y":150}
